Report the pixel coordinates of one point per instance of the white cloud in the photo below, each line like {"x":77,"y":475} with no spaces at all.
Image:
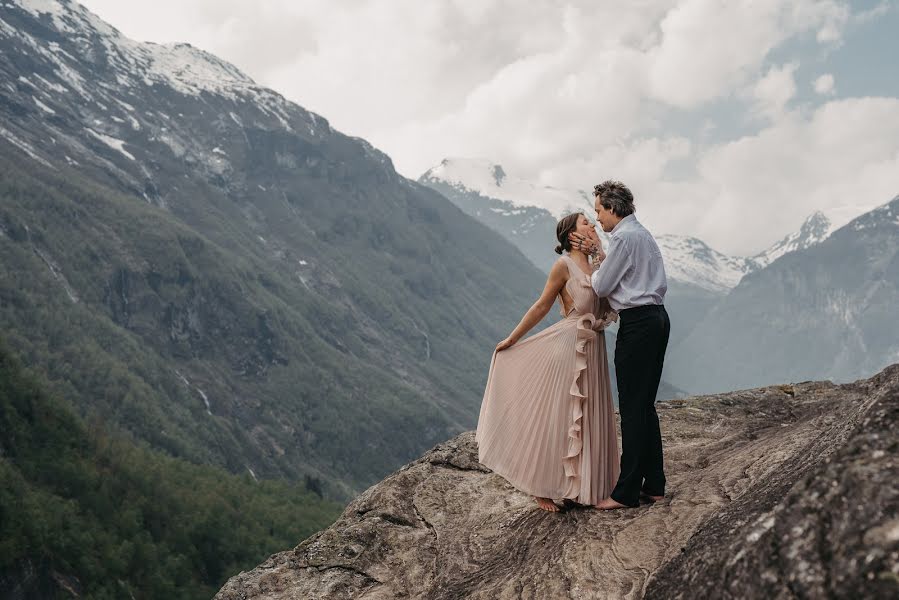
{"x":524,"y":83}
{"x":874,"y":12}
{"x":824,"y":84}
{"x":844,"y":153}
{"x":710,"y":47}
{"x":772,"y":92}
{"x":561,"y":94}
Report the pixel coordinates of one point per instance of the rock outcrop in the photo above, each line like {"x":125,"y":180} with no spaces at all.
{"x":780,"y":492}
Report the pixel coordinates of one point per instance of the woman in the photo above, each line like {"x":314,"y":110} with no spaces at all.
{"x":547,"y":424}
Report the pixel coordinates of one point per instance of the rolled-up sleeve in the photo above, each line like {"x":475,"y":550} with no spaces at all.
{"x":618,"y":260}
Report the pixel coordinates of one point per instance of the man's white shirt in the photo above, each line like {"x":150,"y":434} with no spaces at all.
{"x":632,"y":273}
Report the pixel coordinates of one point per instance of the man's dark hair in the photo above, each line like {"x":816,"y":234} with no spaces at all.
{"x":615,"y":196}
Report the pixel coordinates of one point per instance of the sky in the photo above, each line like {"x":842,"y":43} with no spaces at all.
{"x":731,"y":121}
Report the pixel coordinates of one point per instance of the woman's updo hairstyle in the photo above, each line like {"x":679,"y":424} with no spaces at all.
{"x":566,"y":225}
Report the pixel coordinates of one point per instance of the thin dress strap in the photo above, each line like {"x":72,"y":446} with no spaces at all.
{"x":571,"y":273}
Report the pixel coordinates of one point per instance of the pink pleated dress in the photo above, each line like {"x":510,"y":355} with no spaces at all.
{"x":547,"y":423}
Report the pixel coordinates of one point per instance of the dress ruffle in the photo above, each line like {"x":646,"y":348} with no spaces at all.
{"x":586,"y":332}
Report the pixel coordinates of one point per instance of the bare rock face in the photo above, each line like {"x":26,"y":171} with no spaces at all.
{"x":779,"y":492}
{"x":815,"y":528}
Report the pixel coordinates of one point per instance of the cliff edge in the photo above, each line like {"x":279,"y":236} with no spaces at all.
{"x":780,"y":492}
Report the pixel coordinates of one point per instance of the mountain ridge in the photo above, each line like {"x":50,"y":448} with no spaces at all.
{"x":247,"y":286}
{"x":825,"y":310}
{"x":689,"y":260}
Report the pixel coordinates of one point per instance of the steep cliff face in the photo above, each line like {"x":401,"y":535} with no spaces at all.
{"x":779,"y":492}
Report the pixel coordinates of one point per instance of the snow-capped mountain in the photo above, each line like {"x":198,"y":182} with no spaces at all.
{"x":690,"y":260}
{"x":815,"y":230}
{"x":96,"y":93}
{"x":491,"y":181}
{"x":526,"y":214}
{"x":521,"y":211}
{"x":825,"y":312}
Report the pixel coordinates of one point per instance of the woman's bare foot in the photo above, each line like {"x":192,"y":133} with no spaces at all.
{"x":547,"y":504}
{"x":610,"y":504}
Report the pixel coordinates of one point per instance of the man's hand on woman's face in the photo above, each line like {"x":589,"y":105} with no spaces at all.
{"x":590,"y":244}
{"x":585,"y":244}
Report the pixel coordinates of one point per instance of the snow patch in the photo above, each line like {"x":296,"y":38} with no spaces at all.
{"x":39,"y":7}
{"x":508,"y":213}
{"x":51,"y":85}
{"x":23,"y":146}
{"x":124,"y":105}
{"x":114,"y":143}
{"x":174,"y":145}
{"x":43,"y":106}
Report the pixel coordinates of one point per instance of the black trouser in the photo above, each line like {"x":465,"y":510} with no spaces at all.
{"x":639,"y":355}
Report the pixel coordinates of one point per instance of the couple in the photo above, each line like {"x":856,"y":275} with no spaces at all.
{"x":547,"y":423}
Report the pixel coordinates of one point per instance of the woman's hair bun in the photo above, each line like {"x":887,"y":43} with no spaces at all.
{"x":566,"y":225}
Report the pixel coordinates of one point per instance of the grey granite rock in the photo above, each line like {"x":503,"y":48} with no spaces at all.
{"x":826,"y":525}
{"x":779,"y":492}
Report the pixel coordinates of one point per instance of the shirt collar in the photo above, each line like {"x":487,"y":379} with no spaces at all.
{"x":623,"y":223}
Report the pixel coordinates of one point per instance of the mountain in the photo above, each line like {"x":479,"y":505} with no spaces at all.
{"x":491,"y":181}
{"x":826,"y":311}
{"x":815,"y":230}
{"x":691,"y":261}
{"x":217,"y":272}
{"x":762,"y":505}
{"x":523,"y":212}
{"x":526,"y":214}
{"x":87,"y":513}
{"x":699,"y":276}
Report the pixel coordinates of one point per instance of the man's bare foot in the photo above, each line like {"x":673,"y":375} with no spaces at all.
{"x":610,"y":504}
{"x":547,"y":504}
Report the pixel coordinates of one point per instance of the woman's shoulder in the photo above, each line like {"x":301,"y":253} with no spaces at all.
{"x":561,"y":262}
{"x":561,"y":268}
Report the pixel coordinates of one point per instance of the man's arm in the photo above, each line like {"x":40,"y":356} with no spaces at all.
{"x":610,"y":272}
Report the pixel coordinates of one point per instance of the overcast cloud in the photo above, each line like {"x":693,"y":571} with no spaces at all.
{"x":729,"y":120}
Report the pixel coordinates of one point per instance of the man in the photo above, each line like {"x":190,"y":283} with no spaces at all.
{"x":632,"y":276}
